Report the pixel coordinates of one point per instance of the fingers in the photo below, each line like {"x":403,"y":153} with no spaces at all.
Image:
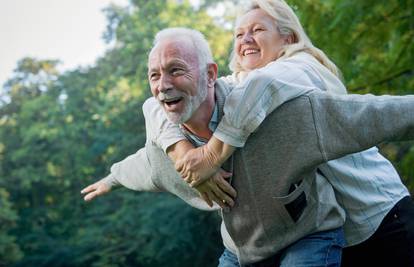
{"x":205,"y":197}
{"x":226,"y":187}
{"x":179,"y":165}
{"x":90,"y":196}
{"x":209,"y":191}
{"x":216,"y":199}
{"x":194,"y":182}
{"x":180,"y":168}
{"x":225,"y":174}
{"x":187,"y":179}
{"x":94,"y":190}
{"x":89,"y":188}
{"x":220,"y":197}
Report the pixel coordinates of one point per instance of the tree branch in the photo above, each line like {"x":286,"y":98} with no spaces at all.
{"x":382,"y":81}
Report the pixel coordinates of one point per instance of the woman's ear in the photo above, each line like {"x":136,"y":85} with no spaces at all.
{"x":290,"y":39}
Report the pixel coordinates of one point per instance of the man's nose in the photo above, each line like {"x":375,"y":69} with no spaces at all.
{"x":247,"y":38}
{"x":165,"y":83}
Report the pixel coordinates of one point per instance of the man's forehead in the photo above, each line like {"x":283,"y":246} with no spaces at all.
{"x":178,"y":49}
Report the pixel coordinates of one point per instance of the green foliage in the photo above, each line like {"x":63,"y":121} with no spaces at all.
{"x":62,"y":131}
{"x":9,"y":249}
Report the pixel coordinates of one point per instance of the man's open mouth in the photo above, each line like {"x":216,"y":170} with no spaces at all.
{"x":172,"y":101}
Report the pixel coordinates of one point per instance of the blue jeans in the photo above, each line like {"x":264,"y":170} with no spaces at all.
{"x":315,"y":250}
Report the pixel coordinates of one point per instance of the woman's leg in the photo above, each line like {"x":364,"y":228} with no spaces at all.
{"x":391,"y":245}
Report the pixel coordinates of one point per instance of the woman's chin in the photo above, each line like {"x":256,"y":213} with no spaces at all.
{"x":249,"y":65}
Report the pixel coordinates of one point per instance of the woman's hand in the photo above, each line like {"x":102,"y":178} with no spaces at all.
{"x":201,"y":163}
{"x":217,"y":189}
{"x":197,"y":165}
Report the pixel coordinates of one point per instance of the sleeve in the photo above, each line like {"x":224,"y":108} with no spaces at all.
{"x":160,"y":130}
{"x":262,"y":91}
{"x":347,"y":124}
{"x":134,"y":172}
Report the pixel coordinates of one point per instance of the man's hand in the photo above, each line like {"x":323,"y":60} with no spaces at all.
{"x":197,"y":165}
{"x":94,"y":190}
{"x":217,"y":189}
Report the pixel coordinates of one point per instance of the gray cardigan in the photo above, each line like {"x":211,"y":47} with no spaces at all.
{"x":287,"y":148}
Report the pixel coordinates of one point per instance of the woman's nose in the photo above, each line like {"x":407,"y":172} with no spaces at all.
{"x":247,"y":38}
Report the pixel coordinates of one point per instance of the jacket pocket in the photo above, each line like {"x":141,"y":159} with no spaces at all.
{"x":296,"y":207}
{"x":295,"y":202}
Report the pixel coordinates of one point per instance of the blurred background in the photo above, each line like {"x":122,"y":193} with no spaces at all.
{"x":70,"y":106}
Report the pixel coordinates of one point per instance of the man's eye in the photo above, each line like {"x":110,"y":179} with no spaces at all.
{"x":258,"y":30}
{"x":177,"y":71}
{"x":153,"y":76}
{"x":239,"y":35}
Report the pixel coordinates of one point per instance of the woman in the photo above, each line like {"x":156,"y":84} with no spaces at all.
{"x":270,"y":32}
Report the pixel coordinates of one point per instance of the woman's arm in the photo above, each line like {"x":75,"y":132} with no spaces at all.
{"x":168,"y":137}
{"x":245,"y":108}
{"x":201,"y":163}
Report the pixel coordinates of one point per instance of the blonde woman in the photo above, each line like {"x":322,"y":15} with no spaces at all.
{"x":379,"y":208}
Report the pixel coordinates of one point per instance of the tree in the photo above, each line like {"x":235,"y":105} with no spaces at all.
{"x":9,"y":250}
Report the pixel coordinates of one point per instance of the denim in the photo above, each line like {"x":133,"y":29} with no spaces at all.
{"x":322,"y":249}
{"x":318,"y":249}
{"x":228,"y":259}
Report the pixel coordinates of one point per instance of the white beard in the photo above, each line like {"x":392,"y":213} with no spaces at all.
{"x":191,"y":103}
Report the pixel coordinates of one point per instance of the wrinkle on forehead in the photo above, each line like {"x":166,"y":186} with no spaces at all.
{"x":178,"y":49}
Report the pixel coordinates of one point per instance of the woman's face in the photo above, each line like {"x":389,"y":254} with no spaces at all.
{"x":257,"y":40}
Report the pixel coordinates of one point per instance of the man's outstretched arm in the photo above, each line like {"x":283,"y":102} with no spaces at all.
{"x":351,"y":123}
{"x":134,"y":172}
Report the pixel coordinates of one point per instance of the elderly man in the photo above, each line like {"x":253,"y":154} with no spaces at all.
{"x":265,"y":218}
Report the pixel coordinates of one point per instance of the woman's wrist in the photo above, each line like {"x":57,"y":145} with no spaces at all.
{"x":218,"y":151}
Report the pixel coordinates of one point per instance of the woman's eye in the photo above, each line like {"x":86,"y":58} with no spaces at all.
{"x":258,"y":30}
{"x":239,"y":35}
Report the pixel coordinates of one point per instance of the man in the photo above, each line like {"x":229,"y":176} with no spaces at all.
{"x":256,"y":228}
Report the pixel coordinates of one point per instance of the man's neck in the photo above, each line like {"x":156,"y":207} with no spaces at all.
{"x":198,"y":124}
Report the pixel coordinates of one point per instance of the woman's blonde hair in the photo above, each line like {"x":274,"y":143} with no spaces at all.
{"x":288,"y":25}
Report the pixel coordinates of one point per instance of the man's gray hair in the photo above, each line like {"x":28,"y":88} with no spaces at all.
{"x":197,"y":38}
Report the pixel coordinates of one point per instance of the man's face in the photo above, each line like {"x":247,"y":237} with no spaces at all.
{"x":175,"y":79}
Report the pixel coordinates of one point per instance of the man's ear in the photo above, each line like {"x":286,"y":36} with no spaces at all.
{"x":212,"y":73}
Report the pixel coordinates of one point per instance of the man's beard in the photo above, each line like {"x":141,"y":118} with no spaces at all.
{"x":191,"y":103}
